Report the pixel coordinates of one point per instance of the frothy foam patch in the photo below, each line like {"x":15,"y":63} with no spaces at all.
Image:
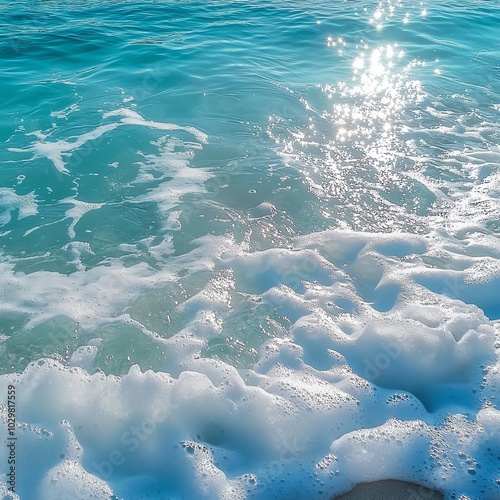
{"x":209,"y":432}
{"x":26,"y":205}
{"x":343,"y":390}
{"x":79,"y":209}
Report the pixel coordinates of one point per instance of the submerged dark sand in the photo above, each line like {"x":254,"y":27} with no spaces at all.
{"x":391,"y":490}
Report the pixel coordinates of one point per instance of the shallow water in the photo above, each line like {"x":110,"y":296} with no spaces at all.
{"x":250,"y":250}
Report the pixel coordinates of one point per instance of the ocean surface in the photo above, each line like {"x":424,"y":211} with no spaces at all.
{"x":249,"y":249}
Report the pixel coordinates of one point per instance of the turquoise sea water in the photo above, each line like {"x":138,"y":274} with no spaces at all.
{"x":264,"y":234}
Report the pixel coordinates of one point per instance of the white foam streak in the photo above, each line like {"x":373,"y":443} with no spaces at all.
{"x":57,"y":151}
{"x":133,"y":118}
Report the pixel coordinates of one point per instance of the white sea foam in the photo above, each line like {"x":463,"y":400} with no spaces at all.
{"x":26,"y":205}
{"x":79,"y":209}
{"x":131,"y":117}
{"x":170,"y":163}
{"x":361,"y":387}
{"x":58,"y":151}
